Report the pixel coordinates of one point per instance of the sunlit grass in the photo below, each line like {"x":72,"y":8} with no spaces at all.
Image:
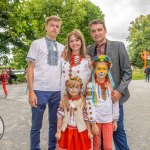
{"x":138,"y":74}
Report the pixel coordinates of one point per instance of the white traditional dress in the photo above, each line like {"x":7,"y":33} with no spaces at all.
{"x":82,"y":70}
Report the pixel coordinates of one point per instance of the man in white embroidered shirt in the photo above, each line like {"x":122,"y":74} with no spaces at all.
{"x":44,"y":71}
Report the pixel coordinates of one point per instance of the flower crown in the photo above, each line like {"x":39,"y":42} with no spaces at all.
{"x":74,"y":78}
{"x":102,"y":58}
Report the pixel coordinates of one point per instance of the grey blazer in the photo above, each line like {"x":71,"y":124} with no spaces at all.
{"x":121,"y":68}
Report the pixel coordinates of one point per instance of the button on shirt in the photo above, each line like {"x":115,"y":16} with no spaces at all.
{"x":46,"y":75}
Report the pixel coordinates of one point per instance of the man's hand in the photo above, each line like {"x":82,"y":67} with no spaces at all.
{"x":115,"y":95}
{"x":32,"y":99}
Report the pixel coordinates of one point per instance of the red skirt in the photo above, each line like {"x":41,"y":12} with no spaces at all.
{"x":71,"y":139}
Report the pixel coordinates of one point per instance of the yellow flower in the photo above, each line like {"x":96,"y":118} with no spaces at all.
{"x":101,"y":57}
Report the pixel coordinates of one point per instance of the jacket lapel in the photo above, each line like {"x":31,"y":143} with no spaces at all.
{"x":108,"y":48}
{"x":92,"y":50}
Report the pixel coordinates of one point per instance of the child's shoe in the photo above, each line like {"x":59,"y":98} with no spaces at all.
{"x":6,"y":95}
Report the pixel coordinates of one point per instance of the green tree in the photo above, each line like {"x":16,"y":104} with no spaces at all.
{"x":92,"y":12}
{"x":4,"y":6}
{"x":26,"y":22}
{"x":139,"y":39}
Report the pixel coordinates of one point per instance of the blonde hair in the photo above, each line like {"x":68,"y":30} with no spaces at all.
{"x":54,"y":18}
{"x":79,"y":36}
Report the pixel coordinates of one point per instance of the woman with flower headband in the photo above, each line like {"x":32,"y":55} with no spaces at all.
{"x":103,"y":114}
{"x":73,"y":128}
{"x":75,"y":61}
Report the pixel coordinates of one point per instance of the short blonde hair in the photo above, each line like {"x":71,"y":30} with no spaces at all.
{"x":54,"y":18}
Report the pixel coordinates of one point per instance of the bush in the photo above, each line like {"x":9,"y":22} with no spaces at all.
{"x":21,"y":78}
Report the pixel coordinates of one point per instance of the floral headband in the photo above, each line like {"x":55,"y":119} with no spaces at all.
{"x":75,"y":78}
{"x":102,"y":58}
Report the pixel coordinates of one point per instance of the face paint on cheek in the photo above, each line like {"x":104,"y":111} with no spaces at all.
{"x":73,"y":90}
{"x":68,"y":89}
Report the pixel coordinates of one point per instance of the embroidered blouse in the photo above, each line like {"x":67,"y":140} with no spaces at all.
{"x":72,"y":121}
{"x":104,"y":111}
{"x":82,"y":70}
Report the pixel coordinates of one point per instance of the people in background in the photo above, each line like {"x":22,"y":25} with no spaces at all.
{"x":4,"y":79}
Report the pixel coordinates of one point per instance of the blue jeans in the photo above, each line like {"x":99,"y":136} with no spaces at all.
{"x":119,"y":136}
{"x":44,"y":98}
{"x":147,"y":77}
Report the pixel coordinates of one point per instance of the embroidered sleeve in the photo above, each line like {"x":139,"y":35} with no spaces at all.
{"x":29,"y":59}
{"x":85,"y":114}
{"x":89,"y":63}
{"x":116,"y":111}
{"x":60,"y":112}
{"x":90,"y":105}
{"x":33,"y":52}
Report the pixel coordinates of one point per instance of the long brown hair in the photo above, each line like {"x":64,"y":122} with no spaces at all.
{"x":68,"y":49}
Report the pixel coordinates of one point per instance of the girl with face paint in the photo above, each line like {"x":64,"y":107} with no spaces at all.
{"x":73,"y":128}
{"x":103,"y":114}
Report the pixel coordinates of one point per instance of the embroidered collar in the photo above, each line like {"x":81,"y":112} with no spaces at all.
{"x":49,"y":39}
{"x":52,"y":57}
{"x":75,"y":98}
{"x":98,"y":45}
{"x":75,"y":60}
{"x":103,"y":85}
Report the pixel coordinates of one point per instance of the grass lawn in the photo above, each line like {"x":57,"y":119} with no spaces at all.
{"x":138,"y":74}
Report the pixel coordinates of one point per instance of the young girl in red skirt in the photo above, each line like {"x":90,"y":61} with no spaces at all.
{"x":73,"y":128}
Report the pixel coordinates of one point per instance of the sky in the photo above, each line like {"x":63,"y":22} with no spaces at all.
{"x":119,"y":14}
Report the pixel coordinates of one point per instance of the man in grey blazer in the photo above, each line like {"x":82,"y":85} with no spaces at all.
{"x":121,"y":73}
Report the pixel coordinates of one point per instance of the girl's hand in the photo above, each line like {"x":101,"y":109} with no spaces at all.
{"x":58,"y":135}
{"x":90,"y":135}
{"x":95,"y":129}
{"x":115,"y":125}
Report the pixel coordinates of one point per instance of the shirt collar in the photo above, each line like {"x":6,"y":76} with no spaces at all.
{"x":50,"y":39}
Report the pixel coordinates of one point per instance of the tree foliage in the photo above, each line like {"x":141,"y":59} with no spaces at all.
{"x":139,"y":38}
{"x":25,"y":22}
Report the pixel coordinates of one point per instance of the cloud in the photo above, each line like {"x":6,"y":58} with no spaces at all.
{"x":119,"y":14}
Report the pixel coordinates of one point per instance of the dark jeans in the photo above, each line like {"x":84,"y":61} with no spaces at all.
{"x":119,"y":136}
{"x":147,"y":77}
{"x":52,"y":99}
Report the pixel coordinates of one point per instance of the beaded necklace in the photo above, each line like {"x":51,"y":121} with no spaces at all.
{"x":75,"y":98}
{"x":75,"y":60}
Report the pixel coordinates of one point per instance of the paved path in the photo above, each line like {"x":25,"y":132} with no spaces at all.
{"x":15,"y":112}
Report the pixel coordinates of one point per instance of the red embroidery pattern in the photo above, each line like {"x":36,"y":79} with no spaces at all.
{"x":75,"y":60}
